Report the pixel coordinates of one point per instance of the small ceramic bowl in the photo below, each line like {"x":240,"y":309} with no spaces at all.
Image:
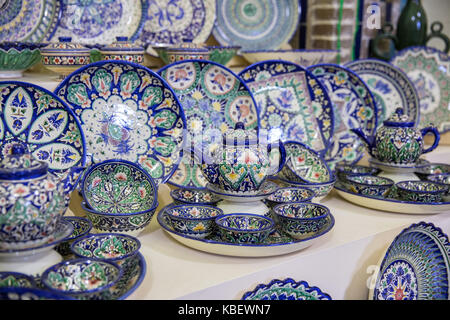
{"x":244,"y":228}
{"x":369,"y":185}
{"x":16,"y":279}
{"x":194,"y":196}
{"x":13,"y":293}
{"x":181,"y":52}
{"x":16,"y":57}
{"x":193,"y":220}
{"x":118,"y":186}
{"x":112,"y":247}
{"x":121,"y":49}
{"x":222,"y":55}
{"x":431,"y":169}
{"x":421,"y":191}
{"x":81,"y":227}
{"x":443,"y":178}
{"x":289,"y":195}
{"x":128,"y":223}
{"x":83,"y":279}
{"x":344,"y":170}
{"x":320,"y":189}
{"x":303,"y":57}
{"x":300,"y":220}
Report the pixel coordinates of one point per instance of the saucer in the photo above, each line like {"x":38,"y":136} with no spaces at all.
{"x":399,"y":168}
{"x":267,"y":188}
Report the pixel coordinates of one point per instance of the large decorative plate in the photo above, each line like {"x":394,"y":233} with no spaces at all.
{"x":26,"y":20}
{"x":429,"y":70}
{"x":127,"y":112}
{"x":45,"y":125}
{"x":292,"y":104}
{"x":390,"y":87}
{"x":256,"y":24}
{"x":176,"y":21}
{"x":214,"y":99}
{"x":287,"y":289}
{"x":100,"y":21}
{"x":354,"y":107}
{"x":416,"y":266}
{"x":276,"y":244}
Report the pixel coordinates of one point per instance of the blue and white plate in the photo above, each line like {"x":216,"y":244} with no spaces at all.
{"x":36,"y":118}
{"x":416,"y":266}
{"x":174,"y":22}
{"x":127,"y":112}
{"x":390,"y":87}
{"x":214,"y":99}
{"x":354,"y":107}
{"x":100,"y":21}
{"x":256,"y":24}
{"x":292,"y":103}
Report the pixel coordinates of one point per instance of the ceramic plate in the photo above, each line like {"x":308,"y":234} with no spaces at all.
{"x":35,"y":117}
{"x":30,"y":21}
{"x":276,"y":244}
{"x":100,"y":21}
{"x":354,"y":107}
{"x":256,"y":24}
{"x":390,"y":87}
{"x":392,"y":205}
{"x":214,"y":99}
{"x":171,"y":22}
{"x":416,"y":266}
{"x":287,"y":289}
{"x":292,"y":103}
{"x":429,"y":70}
{"x":127,"y":112}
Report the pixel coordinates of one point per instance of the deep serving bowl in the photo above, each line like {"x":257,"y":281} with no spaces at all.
{"x":112,"y":247}
{"x":193,"y":220}
{"x":128,"y":223}
{"x":345,"y":170}
{"x":244,"y":227}
{"x":81,"y":227}
{"x":84,"y":279}
{"x":300,"y":220}
{"x":118,"y":186}
{"x":16,"y":57}
{"x":421,"y":191}
{"x":289,"y":195}
{"x":368,"y":185}
{"x":194,"y":196}
{"x":16,"y":279}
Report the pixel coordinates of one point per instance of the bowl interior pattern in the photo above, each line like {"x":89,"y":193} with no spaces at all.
{"x":293,"y":194}
{"x":301,"y":210}
{"x":194,"y":212}
{"x":244,"y":222}
{"x":194,"y":196}
{"x":16,"y":279}
{"x":421,"y":186}
{"x":370,"y":180}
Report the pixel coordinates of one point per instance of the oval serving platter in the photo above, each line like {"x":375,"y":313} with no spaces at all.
{"x":277,"y":244}
{"x":127,"y":112}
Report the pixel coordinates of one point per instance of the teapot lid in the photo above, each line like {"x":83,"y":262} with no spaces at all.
{"x":399,"y":119}
{"x":21,"y":165}
{"x":240,"y":136}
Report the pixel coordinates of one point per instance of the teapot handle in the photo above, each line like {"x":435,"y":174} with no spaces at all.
{"x":437,"y":137}
{"x":282,"y":156}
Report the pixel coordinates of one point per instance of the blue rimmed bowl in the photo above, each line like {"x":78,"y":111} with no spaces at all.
{"x":83,"y":279}
{"x":431,"y":169}
{"x":128,"y":223}
{"x":81,"y":227}
{"x":112,"y":247}
{"x":289,"y":195}
{"x":16,"y":280}
{"x":194,"y":196}
{"x":16,"y":57}
{"x":421,"y":191}
{"x":443,"y":178}
{"x":344,"y":170}
{"x":369,"y":185}
{"x":244,"y":228}
{"x":321,"y":190}
{"x":193,"y":220}
{"x":300,"y":220}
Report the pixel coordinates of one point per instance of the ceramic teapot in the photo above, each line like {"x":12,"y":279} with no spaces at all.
{"x":241,"y":164}
{"x":31,"y":199}
{"x":398,"y":142}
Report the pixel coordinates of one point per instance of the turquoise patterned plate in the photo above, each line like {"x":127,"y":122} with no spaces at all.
{"x":256,"y":24}
{"x":127,"y":112}
{"x":292,"y":103}
{"x":214,"y":99}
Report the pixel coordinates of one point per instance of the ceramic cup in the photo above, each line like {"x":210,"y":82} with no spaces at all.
{"x":421,"y":191}
{"x":244,"y":228}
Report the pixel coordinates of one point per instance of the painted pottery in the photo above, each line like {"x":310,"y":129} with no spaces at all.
{"x":368,"y":185}
{"x":302,"y":57}
{"x":183,"y":51}
{"x":344,"y":170}
{"x":321,"y":189}
{"x":421,"y":191}
{"x":121,"y":49}
{"x":31,"y":294}
{"x":289,"y":195}
{"x":81,"y":227}
{"x":16,"y":57}
{"x":432,"y":168}
{"x":443,"y":178}
{"x":194,"y":196}
{"x":244,"y":228}
{"x":16,"y":280}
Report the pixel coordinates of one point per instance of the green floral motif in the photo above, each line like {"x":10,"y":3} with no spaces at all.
{"x":102,"y":81}
{"x":12,"y":281}
{"x":128,"y":83}
{"x":152,"y":96}
{"x":165,"y":119}
{"x":77,"y":94}
{"x":110,"y":248}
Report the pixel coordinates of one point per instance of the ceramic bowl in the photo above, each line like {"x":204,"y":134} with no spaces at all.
{"x":83,"y":279}
{"x":16,"y":57}
{"x":303,"y":57}
{"x":118,"y":186}
{"x":222,"y":55}
{"x":193,"y":220}
{"x":300,"y":220}
{"x":289,"y":195}
{"x":81,"y":227}
{"x":244,"y":227}
{"x":320,"y":189}
{"x":194,"y":196}
{"x":186,"y":51}
{"x":128,"y":223}
{"x":112,"y":247}
{"x":421,"y":191}
{"x":432,"y":168}
{"x":344,"y":170}
{"x":13,"y":293}
{"x":443,"y":178}
{"x":121,"y":49}
{"x":369,"y":185}
{"x":16,"y":279}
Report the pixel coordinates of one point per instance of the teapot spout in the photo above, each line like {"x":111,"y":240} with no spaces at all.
{"x":368,"y":141}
